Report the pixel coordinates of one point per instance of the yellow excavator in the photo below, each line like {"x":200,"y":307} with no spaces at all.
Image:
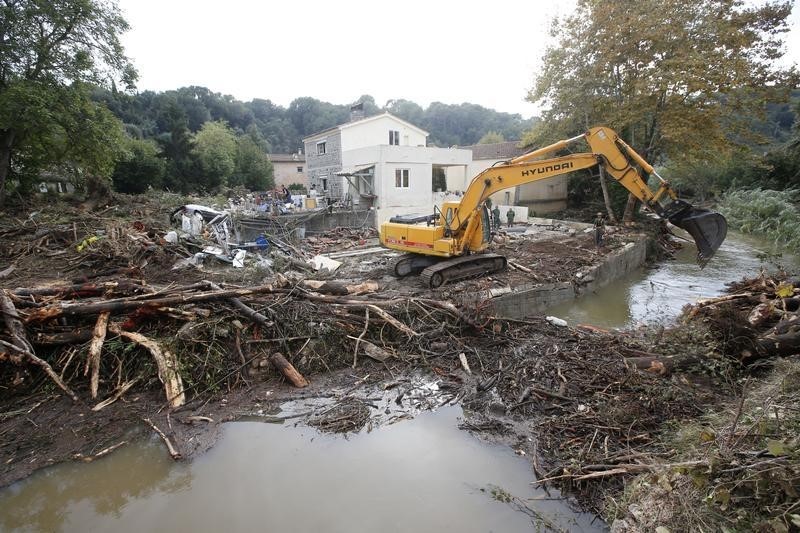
{"x":442,"y":245}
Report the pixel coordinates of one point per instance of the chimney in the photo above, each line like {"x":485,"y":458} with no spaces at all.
{"x":356,"y":111}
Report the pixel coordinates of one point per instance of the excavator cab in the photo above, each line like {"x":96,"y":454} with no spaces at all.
{"x":707,"y":228}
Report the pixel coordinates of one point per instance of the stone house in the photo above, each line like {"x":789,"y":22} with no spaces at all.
{"x":288,"y":169}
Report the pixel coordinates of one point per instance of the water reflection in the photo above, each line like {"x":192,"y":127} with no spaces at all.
{"x":51,"y":498}
{"x":658,"y":294}
{"x":420,"y":475}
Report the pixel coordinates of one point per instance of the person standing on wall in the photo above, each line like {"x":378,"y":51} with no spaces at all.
{"x":599,"y":229}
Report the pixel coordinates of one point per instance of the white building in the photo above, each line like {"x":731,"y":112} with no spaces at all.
{"x":382,"y":162}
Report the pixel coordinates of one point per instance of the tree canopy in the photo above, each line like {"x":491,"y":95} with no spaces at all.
{"x":669,"y":75}
{"x":150,"y":115}
{"x":50,"y":52}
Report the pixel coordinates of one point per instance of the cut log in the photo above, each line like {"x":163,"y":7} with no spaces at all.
{"x":96,"y":346}
{"x":336,"y":288}
{"x":288,"y":370}
{"x":166,"y":362}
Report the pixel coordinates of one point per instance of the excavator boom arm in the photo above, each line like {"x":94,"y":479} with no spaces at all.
{"x":460,"y":225}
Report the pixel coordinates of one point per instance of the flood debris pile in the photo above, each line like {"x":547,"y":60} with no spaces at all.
{"x":686,"y":427}
{"x":737,"y":467}
{"x":591,"y":413}
{"x":208,"y":335}
{"x":758,"y":318}
{"x":737,"y":464}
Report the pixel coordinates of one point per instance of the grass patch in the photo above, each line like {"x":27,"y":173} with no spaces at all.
{"x":773,"y":214}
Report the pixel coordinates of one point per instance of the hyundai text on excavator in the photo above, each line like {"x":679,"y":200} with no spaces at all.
{"x":442,"y":244}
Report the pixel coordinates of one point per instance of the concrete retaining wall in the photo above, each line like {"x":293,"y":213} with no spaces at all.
{"x":340,"y":219}
{"x":319,"y":222}
{"x":529,"y":299}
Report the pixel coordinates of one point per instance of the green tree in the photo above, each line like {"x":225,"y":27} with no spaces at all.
{"x":491,"y":137}
{"x":253,"y":169}
{"x":46,"y":50}
{"x":215,"y":149}
{"x":669,"y":75}
{"x":140,"y":167}
{"x":407,"y":110}
{"x":177,"y":147}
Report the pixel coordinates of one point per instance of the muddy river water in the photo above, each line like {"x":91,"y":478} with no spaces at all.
{"x":419,"y":475}
{"x":657,"y":294}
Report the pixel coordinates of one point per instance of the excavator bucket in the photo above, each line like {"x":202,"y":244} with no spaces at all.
{"x":707,"y":228}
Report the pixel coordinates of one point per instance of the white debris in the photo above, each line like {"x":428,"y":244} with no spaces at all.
{"x":556,"y":321}
{"x":320,"y":261}
{"x":238,"y":258}
{"x":171,"y":237}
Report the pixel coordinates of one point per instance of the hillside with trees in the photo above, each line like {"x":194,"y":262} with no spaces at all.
{"x":174,"y":119}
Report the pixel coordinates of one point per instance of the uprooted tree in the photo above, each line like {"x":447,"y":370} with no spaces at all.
{"x":671,"y":76}
{"x":50,"y":52}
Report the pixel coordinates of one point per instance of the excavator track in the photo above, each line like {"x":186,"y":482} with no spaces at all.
{"x":468,"y":266}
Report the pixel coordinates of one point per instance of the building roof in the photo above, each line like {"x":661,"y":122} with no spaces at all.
{"x":501,"y":151}
{"x":362,"y":121}
{"x":287,"y":158}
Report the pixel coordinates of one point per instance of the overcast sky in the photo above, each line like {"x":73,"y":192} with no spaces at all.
{"x":433,"y":50}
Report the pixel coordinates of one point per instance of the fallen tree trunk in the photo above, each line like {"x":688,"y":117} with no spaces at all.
{"x":125,"y":304}
{"x":166,"y":362}
{"x":288,"y":370}
{"x":85,"y":290}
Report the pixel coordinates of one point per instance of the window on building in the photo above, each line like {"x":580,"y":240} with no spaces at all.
{"x":323,"y":180}
{"x":321,"y":148}
{"x":394,"y":137}
{"x":299,"y":169}
{"x":401,"y":178}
